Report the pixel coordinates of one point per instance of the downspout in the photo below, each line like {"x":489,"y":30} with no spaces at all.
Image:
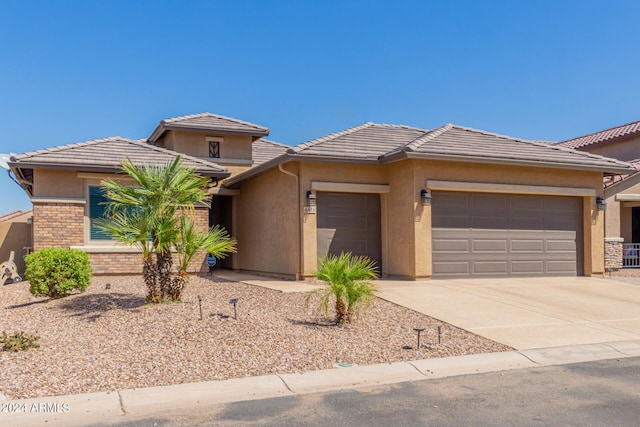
{"x":299,"y":275}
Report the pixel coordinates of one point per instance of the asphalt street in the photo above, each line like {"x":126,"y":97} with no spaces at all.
{"x":603,"y":393}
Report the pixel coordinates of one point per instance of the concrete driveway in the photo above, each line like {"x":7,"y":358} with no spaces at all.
{"x":528,"y":313}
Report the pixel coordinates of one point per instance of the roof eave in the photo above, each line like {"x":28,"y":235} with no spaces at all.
{"x":163,"y":128}
{"x":97,"y":168}
{"x":516,"y":162}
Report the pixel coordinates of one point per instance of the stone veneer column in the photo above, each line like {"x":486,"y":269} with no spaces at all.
{"x":613,"y":252}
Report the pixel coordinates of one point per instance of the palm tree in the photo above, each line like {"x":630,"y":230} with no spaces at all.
{"x":149,"y":212}
{"x":216,"y":242}
{"x":133,"y":229}
{"x":346,"y":279}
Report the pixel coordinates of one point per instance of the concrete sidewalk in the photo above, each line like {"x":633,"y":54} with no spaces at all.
{"x":122,"y":405}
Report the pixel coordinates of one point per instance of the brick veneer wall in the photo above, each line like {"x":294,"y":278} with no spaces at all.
{"x":58,"y":225}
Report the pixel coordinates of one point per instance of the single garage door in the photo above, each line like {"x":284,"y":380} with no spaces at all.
{"x":486,"y":234}
{"x":349,"y":222}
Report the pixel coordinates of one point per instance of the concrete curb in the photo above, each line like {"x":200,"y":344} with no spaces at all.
{"x":77,"y":410}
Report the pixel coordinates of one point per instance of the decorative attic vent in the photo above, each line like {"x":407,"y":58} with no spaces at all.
{"x":214,"y":147}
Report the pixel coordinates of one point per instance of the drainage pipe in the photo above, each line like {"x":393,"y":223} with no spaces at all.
{"x":299,"y":273}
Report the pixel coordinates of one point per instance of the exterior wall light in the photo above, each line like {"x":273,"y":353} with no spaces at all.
{"x":425,"y":197}
{"x":311,"y":199}
{"x":601,"y":203}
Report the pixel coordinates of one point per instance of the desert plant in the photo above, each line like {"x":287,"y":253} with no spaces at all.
{"x":145,"y":215}
{"x":54,"y":272}
{"x":346,"y":282}
{"x":18,"y":341}
{"x":216,"y":241}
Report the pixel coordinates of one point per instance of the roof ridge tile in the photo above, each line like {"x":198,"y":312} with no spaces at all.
{"x":428,"y":136}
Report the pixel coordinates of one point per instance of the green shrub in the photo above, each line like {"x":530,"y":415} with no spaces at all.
{"x":19,"y":341}
{"x":55,"y":272}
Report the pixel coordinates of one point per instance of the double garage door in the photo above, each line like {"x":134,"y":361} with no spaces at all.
{"x":486,"y":234}
{"x":473,"y":234}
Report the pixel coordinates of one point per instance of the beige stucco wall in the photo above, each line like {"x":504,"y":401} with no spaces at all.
{"x":195,"y":144}
{"x":622,"y":150}
{"x":266,"y":221}
{"x":405,"y":223}
{"x":56,"y":183}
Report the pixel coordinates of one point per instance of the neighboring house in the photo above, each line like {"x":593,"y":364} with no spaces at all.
{"x":621,"y":193}
{"x":449,"y":202}
{"x":15,"y":236}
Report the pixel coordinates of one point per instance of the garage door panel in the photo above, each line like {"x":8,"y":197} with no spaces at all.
{"x":489,"y":202}
{"x":561,"y":246}
{"x":565,"y":267}
{"x":526,"y":222}
{"x":527,"y":267}
{"x":492,"y":222}
{"x":451,"y":245}
{"x":489,"y":267}
{"x":346,"y":221}
{"x":527,"y":246}
{"x":493,"y":246}
{"x":533,"y":235}
{"x":451,"y":268}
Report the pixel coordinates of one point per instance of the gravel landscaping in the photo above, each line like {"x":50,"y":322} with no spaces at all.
{"x":107,"y":338}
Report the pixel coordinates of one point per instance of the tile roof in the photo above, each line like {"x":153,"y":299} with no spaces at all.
{"x":369,"y":140}
{"x":15,"y":214}
{"x":382,"y":143}
{"x":107,"y":154}
{"x":622,"y":131}
{"x":208,"y":122}
{"x":458,"y":141}
{"x":264,"y":150}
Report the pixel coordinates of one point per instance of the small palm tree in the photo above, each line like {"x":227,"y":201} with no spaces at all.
{"x":216,"y":241}
{"x":145,"y":214}
{"x":346,"y":280}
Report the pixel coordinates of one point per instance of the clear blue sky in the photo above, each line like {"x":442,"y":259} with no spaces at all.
{"x":72,"y":71}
